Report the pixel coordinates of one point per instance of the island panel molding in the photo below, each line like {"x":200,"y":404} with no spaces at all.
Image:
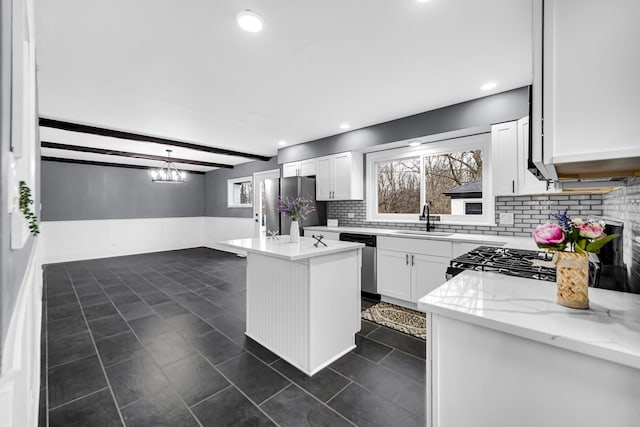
{"x":303,"y":302}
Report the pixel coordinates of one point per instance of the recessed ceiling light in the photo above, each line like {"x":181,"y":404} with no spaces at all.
{"x":488,"y":86}
{"x":282,"y":143}
{"x":422,"y":1}
{"x":250,"y":21}
{"x":414,"y":143}
{"x":345,"y":125}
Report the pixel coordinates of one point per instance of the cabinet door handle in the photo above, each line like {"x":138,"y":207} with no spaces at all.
{"x":406,"y":259}
{"x":513,"y":186}
{"x":412,"y":260}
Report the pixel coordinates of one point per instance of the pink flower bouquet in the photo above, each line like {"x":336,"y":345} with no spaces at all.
{"x":572,"y":234}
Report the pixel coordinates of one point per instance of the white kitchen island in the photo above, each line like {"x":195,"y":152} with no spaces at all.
{"x":303,"y":302}
{"x":501,"y":352}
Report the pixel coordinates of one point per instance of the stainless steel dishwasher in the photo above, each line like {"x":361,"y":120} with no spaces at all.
{"x":368,"y":277}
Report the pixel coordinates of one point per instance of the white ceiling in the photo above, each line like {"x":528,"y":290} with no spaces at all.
{"x":184,"y":70}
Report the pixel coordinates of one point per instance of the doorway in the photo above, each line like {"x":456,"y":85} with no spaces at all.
{"x":259,"y":199}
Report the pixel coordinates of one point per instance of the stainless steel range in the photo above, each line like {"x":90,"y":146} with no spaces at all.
{"x":514,"y":262}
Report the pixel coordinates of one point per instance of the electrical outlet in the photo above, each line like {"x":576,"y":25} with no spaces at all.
{"x":351,"y":215}
{"x":506,"y":218}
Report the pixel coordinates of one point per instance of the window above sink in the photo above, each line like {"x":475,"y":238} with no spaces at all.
{"x":453,"y":176}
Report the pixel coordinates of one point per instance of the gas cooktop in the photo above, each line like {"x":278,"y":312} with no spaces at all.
{"x":514,"y":262}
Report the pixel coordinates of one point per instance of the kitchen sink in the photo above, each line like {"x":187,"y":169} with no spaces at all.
{"x":422,"y":233}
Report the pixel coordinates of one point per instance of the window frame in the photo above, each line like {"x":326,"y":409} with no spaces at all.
{"x":230,"y":185}
{"x":473,"y":142}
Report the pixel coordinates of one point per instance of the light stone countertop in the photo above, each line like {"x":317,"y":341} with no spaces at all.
{"x":284,"y":249}
{"x":507,"y":241}
{"x":609,"y":329}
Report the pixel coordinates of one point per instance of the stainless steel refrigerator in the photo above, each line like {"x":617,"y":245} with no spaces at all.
{"x":290,"y":187}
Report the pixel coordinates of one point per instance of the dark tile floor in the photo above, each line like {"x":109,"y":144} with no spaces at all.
{"x":158,"y":340}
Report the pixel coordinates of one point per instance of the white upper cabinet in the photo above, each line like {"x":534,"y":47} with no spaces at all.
{"x":340,"y":177}
{"x":301,"y":168}
{"x":504,"y":153}
{"x":509,"y":152}
{"x":323,"y":178}
{"x":588,"y":66}
{"x":308,"y":167}
{"x":290,"y":169}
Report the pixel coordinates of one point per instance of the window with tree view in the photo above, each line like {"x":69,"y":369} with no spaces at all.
{"x":453,"y":180}
{"x":448,"y":175}
{"x":399,"y":186}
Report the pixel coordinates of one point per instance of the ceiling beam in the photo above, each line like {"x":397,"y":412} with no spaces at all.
{"x":113,"y":133}
{"x":108,"y":152}
{"x":91,"y":162}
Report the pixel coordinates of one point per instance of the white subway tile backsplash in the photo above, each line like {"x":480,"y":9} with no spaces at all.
{"x":529,"y":211}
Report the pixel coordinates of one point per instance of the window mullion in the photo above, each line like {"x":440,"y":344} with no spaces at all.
{"x":423,"y":183}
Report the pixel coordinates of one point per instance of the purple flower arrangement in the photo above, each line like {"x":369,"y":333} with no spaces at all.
{"x":296,"y":208}
{"x":575,"y":234}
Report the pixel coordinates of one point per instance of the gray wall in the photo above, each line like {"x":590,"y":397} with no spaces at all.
{"x":216,"y":187}
{"x":83,"y":192}
{"x":13,"y":263}
{"x":475,"y":114}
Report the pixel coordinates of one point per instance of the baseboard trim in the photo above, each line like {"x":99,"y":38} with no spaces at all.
{"x":56,"y":259}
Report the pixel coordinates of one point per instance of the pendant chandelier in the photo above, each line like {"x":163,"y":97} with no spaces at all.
{"x":168,"y":172}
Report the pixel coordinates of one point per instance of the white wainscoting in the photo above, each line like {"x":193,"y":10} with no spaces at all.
{"x":20,"y":378}
{"x":77,"y":240}
{"x":225,"y":228}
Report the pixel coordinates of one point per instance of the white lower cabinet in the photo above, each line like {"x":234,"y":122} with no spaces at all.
{"x":394,"y":274}
{"x":409,"y":276}
{"x":428,"y":272}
